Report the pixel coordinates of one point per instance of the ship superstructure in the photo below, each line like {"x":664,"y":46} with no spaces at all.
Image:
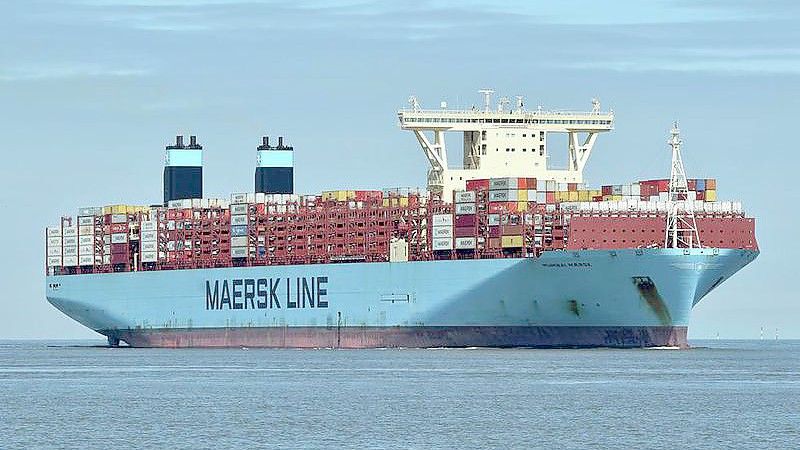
{"x":504,"y":251}
{"x":503,"y":141}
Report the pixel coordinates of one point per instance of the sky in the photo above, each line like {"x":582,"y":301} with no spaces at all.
{"x":92,"y":90}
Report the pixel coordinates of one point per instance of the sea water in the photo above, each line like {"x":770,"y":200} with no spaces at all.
{"x":735,"y":394}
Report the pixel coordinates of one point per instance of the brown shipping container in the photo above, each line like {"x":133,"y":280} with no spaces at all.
{"x":465,"y":231}
{"x":465,"y":220}
{"x":119,"y":249}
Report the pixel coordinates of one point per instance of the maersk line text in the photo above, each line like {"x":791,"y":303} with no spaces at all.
{"x":267,"y":293}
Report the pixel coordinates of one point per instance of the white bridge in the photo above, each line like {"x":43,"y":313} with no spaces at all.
{"x":503,"y":142}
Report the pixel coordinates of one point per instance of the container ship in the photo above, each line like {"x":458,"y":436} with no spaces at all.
{"x":504,"y":251}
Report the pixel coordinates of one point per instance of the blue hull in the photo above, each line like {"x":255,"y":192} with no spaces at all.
{"x":621,"y":298}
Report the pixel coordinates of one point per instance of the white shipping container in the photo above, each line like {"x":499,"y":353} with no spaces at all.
{"x":171,"y":246}
{"x":148,"y":225}
{"x":85,"y":220}
{"x":85,"y":240}
{"x":502,"y":183}
{"x":149,"y":246}
{"x":238,"y":198}
{"x":53,"y":232}
{"x":443,"y":232}
{"x":239,"y":208}
{"x":465,"y":243}
{"x":238,"y":252}
{"x":149,"y":236}
{"x":85,"y":230}
{"x":53,"y":261}
{"x":443,"y":244}
{"x":107,"y":258}
{"x":636,"y":189}
{"x":239,"y":241}
{"x":541,"y":185}
{"x":71,"y":241}
{"x":442,"y":219}
{"x":239,"y":220}
{"x":119,"y":218}
{"x":180,"y":204}
{"x":499,"y":196}
{"x":54,"y":242}
{"x":465,"y":208}
{"x":149,"y":256}
{"x":70,"y":231}
{"x":70,"y":261}
{"x":119,"y":238}
{"x":465,"y":196}
{"x":54,"y":251}
{"x":86,"y":260}
{"x":494,"y":220}
{"x":90,"y":211}
{"x":86,"y":250}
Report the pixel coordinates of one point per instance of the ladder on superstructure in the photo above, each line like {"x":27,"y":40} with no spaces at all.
{"x":681,"y":230}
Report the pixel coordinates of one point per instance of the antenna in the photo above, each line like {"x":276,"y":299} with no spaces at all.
{"x":503,"y":103}
{"x":595,"y":105}
{"x":681,"y":228}
{"x":520,"y":104}
{"x":487,"y":98}
{"x":412,"y":100}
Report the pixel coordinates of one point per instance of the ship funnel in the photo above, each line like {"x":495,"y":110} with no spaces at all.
{"x":274,"y":168}
{"x":183,"y":170}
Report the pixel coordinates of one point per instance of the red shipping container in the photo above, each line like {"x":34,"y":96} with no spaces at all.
{"x":477,"y":185}
{"x":532,"y":183}
{"x":608,"y":190}
{"x":692,"y":184}
{"x":118,"y":228}
{"x":496,"y":207}
{"x":494,"y":232}
{"x":551,"y":197}
{"x":701,"y":195}
{"x":465,"y":221}
{"x":522,"y":183}
{"x":465,"y":231}
{"x":119,"y":249}
{"x":572,"y":187}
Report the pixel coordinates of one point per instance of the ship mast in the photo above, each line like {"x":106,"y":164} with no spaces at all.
{"x":681,"y":231}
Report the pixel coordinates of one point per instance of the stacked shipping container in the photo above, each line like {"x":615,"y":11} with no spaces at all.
{"x":492,"y":218}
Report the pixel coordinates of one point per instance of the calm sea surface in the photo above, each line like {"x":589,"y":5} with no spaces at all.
{"x":723,"y":394}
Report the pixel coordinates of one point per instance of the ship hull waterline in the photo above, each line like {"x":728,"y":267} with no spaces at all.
{"x":588,"y":298}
